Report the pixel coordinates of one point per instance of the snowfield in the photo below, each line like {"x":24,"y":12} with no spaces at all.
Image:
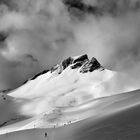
{"x":76,"y":100}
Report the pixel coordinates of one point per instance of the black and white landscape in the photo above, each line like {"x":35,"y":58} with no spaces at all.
{"x":69,"y":69}
{"x":75,"y":100}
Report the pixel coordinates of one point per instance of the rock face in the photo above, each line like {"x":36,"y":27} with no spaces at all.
{"x":90,"y":66}
{"x":67,"y":62}
{"x":43,"y":72}
{"x":81,"y":62}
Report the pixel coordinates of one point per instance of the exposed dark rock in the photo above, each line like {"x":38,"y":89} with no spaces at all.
{"x":85,"y":68}
{"x":81,"y":58}
{"x":85,"y":64}
{"x":43,"y":72}
{"x":57,"y":68}
{"x":34,"y":77}
{"x":81,"y":62}
{"x":25,"y":81}
{"x":94,"y":64}
{"x":77,"y":65}
{"x":67,"y":62}
{"x":54,"y":68}
{"x":90,"y":66}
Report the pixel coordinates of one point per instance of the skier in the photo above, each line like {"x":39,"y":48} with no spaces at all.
{"x":46,"y":134}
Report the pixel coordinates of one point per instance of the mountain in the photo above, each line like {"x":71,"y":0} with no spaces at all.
{"x":76,"y":100}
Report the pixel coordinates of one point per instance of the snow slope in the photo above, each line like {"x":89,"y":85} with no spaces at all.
{"x":110,"y":118}
{"x":73,"y":94}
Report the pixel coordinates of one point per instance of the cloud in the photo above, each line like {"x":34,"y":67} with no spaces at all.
{"x":37,"y":34}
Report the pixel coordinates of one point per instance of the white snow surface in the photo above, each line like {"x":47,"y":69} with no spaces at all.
{"x":52,"y":100}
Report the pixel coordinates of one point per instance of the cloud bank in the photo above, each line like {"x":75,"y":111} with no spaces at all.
{"x":37,"y":34}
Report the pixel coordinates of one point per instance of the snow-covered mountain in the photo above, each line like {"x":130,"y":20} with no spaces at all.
{"x":67,"y":97}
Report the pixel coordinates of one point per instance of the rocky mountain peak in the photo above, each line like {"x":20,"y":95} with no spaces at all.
{"x":81,"y":62}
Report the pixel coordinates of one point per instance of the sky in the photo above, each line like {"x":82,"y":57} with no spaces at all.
{"x":37,"y":34}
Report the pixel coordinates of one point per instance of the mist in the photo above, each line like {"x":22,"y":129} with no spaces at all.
{"x":37,"y":34}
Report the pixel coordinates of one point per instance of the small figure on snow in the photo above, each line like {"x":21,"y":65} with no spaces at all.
{"x":46,"y":134}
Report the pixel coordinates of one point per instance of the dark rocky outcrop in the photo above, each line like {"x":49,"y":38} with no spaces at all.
{"x":90,"y":66}
{"x":94,"y":64}
{"x":67,"y":62}
{"x":42,"y":72}
{"x":81,"y":58}
{"x":54,"y":68}
{"x":85,"y":64}
{"x":81,"y":62}
{"x":63,"y":65}
{"x":77,"y":65}
{"x":58,"y":68}
{"x":35,"y":76}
